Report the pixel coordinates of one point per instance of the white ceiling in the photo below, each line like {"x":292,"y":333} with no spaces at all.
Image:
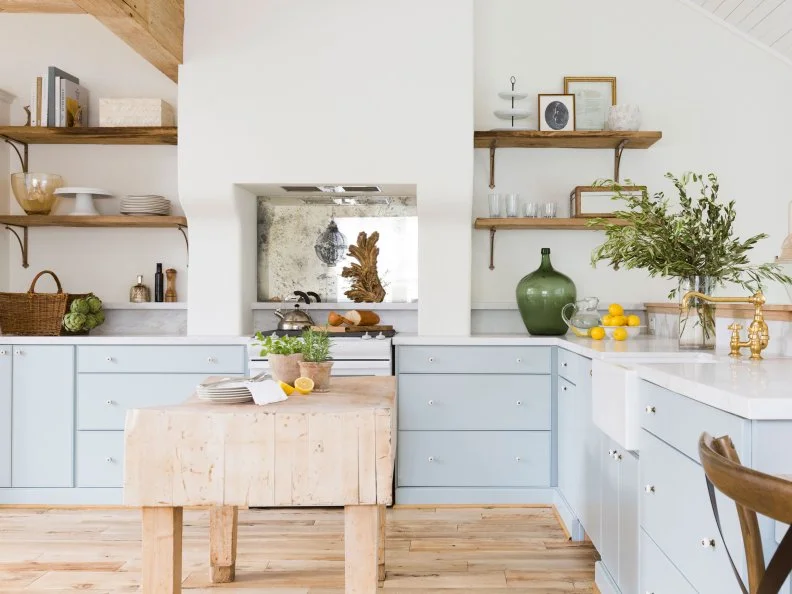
{"x":767,"y":21}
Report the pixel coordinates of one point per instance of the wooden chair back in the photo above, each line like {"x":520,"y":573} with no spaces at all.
{"x":752,"y":492}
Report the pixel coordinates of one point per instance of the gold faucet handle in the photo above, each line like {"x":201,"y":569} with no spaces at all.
{"x":735,"y":327}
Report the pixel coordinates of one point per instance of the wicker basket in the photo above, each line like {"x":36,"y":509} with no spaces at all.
{"x":31,"y":313}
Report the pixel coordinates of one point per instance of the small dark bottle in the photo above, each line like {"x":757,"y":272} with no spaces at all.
{"x":159,"y":285}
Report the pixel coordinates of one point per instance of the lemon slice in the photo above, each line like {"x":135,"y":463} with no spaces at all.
{"x":286,"y":388}
{"x":304,"y":385}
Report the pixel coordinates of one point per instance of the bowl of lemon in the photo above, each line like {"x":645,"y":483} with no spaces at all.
{"x":616,"y":325}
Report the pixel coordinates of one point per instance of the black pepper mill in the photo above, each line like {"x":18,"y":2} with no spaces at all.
{"x":159,"y":285}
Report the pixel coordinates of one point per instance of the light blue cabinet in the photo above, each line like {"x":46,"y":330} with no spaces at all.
{"x":42,"y":435}
{"x":608,"y":545}
{"x":5,"y":416}
{"x":571,"y":454}
{"x":629,"y":523}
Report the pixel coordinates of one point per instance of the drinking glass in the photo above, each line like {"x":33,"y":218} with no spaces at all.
{"x":550,"y":209}
{"x":495,"y":207}
{"x":531,"y":210}
{"x":512,"y":202}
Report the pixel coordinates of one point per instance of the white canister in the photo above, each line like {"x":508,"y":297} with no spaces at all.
{"x":624,"y":117}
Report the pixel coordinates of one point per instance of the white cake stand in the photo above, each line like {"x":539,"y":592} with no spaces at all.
{"x":84,"y":205}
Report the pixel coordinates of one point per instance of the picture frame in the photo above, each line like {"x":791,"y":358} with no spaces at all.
{"x":595,"y":202}
{"x":594,"y":96}
{"x":556,"y":112}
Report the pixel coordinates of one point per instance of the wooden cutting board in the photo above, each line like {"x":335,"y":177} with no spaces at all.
{"x":339,"y":329}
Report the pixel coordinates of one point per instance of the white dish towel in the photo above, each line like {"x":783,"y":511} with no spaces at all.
{"x":264,"y":391}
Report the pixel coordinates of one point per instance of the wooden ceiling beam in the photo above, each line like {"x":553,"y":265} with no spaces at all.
{"x":51,"y":6}
{"x":153,"y":28}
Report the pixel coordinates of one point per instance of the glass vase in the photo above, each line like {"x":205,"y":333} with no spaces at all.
{"x":542,"y":295}
{"x":697,"y":318}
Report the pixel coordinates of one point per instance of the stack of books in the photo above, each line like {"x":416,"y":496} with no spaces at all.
{"x":57,"y":99}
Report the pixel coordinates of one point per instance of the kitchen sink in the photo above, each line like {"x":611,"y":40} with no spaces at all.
{"x":616,"y":403}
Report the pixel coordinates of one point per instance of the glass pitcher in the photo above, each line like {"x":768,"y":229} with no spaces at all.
{"x":584,"y":315}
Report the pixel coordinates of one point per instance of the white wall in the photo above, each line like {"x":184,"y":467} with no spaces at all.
{"x":694,"y":80}
{"x":306,"y":91}
{"x":105,"y":261}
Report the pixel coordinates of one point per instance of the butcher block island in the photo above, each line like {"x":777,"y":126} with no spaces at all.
{"x":331,"y":449}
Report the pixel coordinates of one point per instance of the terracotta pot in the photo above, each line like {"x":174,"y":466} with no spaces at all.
{"x":319,"y":373}
{"x":285,"y":367}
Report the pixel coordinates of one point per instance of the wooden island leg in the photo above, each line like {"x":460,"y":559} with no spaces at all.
{"x":361,"y":536}
{"x":381,"y":545}
{"x":223,"y":543}
{"x":162,"y":550}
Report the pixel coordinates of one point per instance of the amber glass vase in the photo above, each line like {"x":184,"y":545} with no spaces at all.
{"x":541,"y":295}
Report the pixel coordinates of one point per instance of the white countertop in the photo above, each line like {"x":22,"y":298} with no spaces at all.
{"x":757,"y":390}
{"x":174,"y":339}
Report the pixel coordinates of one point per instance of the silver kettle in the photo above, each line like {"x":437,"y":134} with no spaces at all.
{"x":295,"y":319}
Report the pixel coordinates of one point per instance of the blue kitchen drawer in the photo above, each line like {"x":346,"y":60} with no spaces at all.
{"x":104,"y":398}
{"x":473,"y":359}
{"x":474,"y":402}
{"x":679,"y":421}
{"x":473,"y":459}
{"x":658,"y":574}
{"x":208,"y":360}
{"x":677,"y":515}
{"x":100,"y":458}
{"x":573,"y":367}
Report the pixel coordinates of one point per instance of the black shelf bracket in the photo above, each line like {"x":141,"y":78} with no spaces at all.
{"x":23,"y":242}
{"x":23,"y":154}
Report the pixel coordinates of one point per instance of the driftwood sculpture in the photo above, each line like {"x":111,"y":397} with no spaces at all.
{"x":366,"y":286}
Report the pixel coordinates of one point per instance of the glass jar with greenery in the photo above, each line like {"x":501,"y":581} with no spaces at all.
{"x":316,"y":363}
{"x":694,"y":245}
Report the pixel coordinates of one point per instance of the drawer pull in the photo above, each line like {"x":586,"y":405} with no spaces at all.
{"x":649,"y":489}
{"x":612,"y":453}
{"x":519,"y":359}
{"x":519,"y":403}
{"x":430,"y":458}
{"x":650,"y":410}
{"x":110,"y":402}
{"x":564,"y":364}
{"x":708,"y":543}
{"x":431,"y":403}
{"x":3,"y":352}
{"x":19,"y":352}
{"x":617,"y":456}
{"x":431,"y":359}
{"x":109,"y":460}
{"x":517,"y":459}
{"x":211,"y":360}
{"x":564,"y":388}
{"x":109,"y":359}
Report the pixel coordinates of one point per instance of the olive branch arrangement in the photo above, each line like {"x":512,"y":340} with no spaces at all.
{"x":696,"y":241}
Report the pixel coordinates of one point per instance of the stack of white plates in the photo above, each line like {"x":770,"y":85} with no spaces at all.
{"x":145,"y":205}
{"x":226,"y":393}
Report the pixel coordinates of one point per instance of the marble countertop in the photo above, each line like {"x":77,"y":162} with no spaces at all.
{"x":161,"y":339}
{"x":757,"y":390}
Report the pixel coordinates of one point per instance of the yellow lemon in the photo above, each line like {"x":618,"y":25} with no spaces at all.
{"x":619,"y":321}
{"x":620,"y":334}
{"x":607,"y":320}
{"x":304,"y":385}
{"x":597,"y":333}
{"x":633,"y":321}
{"x":286,"y":388}
{"x":615,"y":309}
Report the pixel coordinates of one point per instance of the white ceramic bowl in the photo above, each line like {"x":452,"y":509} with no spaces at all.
{"x":632,"y":331}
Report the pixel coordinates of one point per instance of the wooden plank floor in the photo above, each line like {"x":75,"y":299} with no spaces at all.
{"x":300,"y":551}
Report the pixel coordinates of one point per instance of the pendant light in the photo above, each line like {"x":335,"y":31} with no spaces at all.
{"x":331,"y":244}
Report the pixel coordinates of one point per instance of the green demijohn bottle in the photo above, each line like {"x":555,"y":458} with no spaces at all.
{"x":541,"y":295}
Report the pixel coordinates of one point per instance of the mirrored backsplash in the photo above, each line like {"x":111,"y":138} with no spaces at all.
{"x":288,"y":261}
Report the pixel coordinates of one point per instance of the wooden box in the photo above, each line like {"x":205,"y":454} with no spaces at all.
{"x":597,"y":201}
{"x":135,"y":112}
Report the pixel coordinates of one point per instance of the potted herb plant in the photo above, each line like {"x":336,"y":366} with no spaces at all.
{"x":316,"y":363}
{"x":284,"y":355}
{"x":694,"y":245}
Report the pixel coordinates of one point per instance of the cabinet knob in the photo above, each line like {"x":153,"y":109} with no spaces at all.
{"x":431,"y":403}
{"x":708,"y":543}
{"x":564,"y":388}
{"x":517,"y":459}
{"x":519,"y":359}
{"x":519,"y":403}
{"x":3,"y":352}
{"x":109,"y":460}
{"x":649,"y":489}
{"x":430,"y":458}
{"x":617,"y":456}
{"x":611,"y":453}
{"x":591,"y":372}
{"x":431,"y":359}
{"x":109,"y":359}
{"x":19,"y":352}
{"x":650,"y":410}
{"x":211,"y":360}
{"x":109,"y":402}
{"x":564,"y":364}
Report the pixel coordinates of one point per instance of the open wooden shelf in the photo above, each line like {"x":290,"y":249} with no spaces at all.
{"x":93,"y":221}
{"x":539,"y":223}
{"x":139,"y":135}
{"x":604,"y":139}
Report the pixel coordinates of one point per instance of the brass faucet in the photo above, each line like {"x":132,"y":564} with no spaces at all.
{"x":758,"y":333}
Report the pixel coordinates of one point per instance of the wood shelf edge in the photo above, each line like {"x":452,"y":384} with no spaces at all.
{"x":585,"y":139}
{"x":100,"y":221}
{"x":554,"y":224}
{"x":136,"y":135}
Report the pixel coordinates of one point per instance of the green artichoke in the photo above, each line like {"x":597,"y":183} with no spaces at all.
{"x":80,"y":306}
{"x":100,"y":317}
{"x":94,"y":303}
{"x":91,"y":322}
{"x":74,"y":322}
